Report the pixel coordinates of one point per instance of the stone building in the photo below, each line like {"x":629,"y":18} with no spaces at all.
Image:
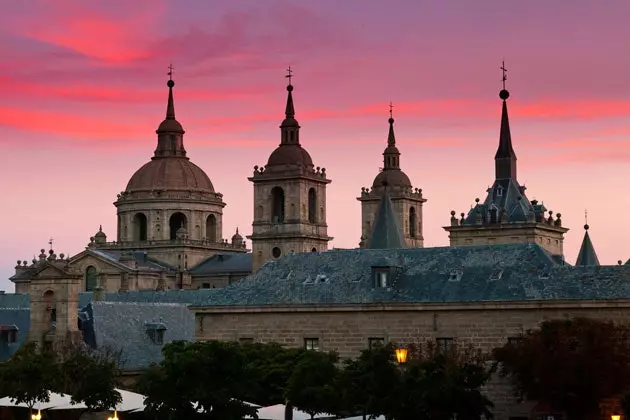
{"x":289,"y":198}
{"x":407,"y":201}
{"x":507,"y":215}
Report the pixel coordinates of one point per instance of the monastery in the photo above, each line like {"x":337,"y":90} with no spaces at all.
{"x":171,"y":275}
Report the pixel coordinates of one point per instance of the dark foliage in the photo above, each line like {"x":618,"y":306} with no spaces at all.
{"x":570,"y":364}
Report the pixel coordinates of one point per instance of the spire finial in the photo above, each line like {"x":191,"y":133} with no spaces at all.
{"x":504,"y":94}
{"x":170,"y":107}
{"x":289,"y":75}
{"x":50,"y":242}
{"x":170,"y":72}
{"x":391,"y":112}
{"x":586,"y":220}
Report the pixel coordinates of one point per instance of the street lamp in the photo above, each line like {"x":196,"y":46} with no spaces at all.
{"x":38,"y":416}
{"x":401,"y":357}
{"x":115,"y":417}
{"x":615,"y":417}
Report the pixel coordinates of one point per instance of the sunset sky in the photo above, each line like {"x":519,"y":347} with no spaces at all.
{"x":84,"y":88}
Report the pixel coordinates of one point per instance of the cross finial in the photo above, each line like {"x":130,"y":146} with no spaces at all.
{"x":170,"y":72}
{"x":50,"y":242}
{"x":504,"y":71}
{"x":391,"y":110}
{"x":586,"y":217}
{"x":289,"y":74}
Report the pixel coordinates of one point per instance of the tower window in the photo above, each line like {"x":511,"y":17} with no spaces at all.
{"x":177,"y":221}
{"x":412,"y":222}
{"x":140,"y":227}
{"x":90,"y":278}
{"x":311,"y":344}
{"x":276,"y":252}
{"x":277,"y":205}
{"x":312,"y":205}
{"x":211,"y":228}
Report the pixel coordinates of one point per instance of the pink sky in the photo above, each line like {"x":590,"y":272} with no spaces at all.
{"x":84,"y":89}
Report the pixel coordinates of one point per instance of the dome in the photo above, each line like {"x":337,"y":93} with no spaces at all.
{"x":290,"y":154}
{"x":170,"y":173}
{"x":393,"y":178}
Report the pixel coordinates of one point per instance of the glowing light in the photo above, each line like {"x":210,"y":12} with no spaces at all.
{"x":38,"y":416}
{"x":401,"y":356}
{"x":615,"y":417}
{"x":115,"y":417}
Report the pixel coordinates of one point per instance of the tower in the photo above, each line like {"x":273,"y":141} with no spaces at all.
{"x":587,"y":254}
{"x":406,"y":201}
{"x":289,"y":197}
{"x":507,"y":215}
{"x":170,"y":208}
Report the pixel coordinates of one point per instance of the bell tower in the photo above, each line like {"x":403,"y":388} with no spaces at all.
{"x":289,"y":197}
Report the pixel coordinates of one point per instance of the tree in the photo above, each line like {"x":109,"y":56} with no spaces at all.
{"x":26,"y":378}
{"x":205,"y":380}
{"x":441,"y":385}
{"x":89,"y":376}
{"x":311,"y":387}
{"x":570,"y":364}
{"x":269,"y":365}
{"x":369,"y":384}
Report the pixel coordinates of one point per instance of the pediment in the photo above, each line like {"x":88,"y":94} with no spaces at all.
{"x":49,"y":271}
{"x":89,"y":257}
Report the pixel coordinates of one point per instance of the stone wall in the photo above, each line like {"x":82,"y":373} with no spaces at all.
{"x":347,"y":330}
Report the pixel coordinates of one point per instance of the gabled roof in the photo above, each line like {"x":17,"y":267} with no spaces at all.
{"x":236,"y":262}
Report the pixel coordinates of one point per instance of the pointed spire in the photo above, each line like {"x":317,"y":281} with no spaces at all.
{"x":391,"y":155}
{"x":385,"y":232}
{"x":170,"y":132}
{"x":505,"y":158}
{"x":587,"y":255}
{"x":290,"y":127}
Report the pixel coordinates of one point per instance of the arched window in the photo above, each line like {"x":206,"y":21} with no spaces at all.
{"x":277,"y":205}
{"x":211,"y":228}
{"x":312,"y":205}
{"x":50,"y":310}
{"x":90,"y":278}
{"x":412,"y":222}
{"x":140,"y":227}
{"x":176,"y":221}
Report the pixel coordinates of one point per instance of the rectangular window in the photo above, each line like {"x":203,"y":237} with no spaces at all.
{"x":8,"y":337}
{"x":311,"y":344}
{"x":376,"y":342}
{"x":514,"y":340}
{"x":444,"y":344}
{"x":205,"y":285}
{"x":381,"y":277}
{"x":156,"y":336}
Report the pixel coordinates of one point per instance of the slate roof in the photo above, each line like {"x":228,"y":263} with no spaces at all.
{"x":224,"y":263}
{"x":14,"y":312}
{"x":386,"y":233}
{"x":124,"y":325}
{"x":141,"y":258}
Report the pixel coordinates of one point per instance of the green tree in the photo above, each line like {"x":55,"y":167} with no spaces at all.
{"x":369,"y":384}
{"x":570,"y":364}
{"x":26,"y":378}
{"x":89,"y":376}
{"x":311,"y":387}
{"x":269,"y":365}
{"x":205,"y":380}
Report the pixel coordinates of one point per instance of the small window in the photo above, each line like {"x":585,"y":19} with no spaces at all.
{"x":205,"y":285}
{"x":311,"y":344}
{"x":514,"y":340}
{"x":444,"y":344}
{"x":276,"y":252}
{"x":155,"y":332}
{"x":376,"y":342}
{"x":455,"y":275}
{"x":381,"y":277}
{"x":246,"y":340}
{"x":499,"y":192}
{"x":8,"y":336}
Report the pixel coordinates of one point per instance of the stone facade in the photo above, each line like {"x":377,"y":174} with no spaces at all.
{"x":348,"y":329}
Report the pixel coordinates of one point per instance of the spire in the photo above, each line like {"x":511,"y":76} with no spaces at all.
{"x":587,"y":255}
{"x":170,"y":132}
{"x":385,"y":232}
{"x":290,"y":128}
{"x":391,"y":155}
{"x":505,"y":158}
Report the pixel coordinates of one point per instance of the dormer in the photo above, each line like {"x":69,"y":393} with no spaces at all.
{"x":155,"y":332}
{"x":382,"y":276}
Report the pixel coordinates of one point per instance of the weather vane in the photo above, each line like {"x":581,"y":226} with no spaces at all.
{"x":50,"y":242}
{"x":391,"y":110}
{"x":504,"y":70}
{"x":170,"y":72}
{"x":289,"y":74}
{"x":586,"y":217}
